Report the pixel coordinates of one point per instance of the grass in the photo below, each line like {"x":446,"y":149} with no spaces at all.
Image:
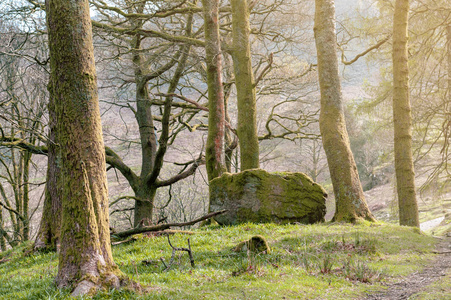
{"x":323,"y":261}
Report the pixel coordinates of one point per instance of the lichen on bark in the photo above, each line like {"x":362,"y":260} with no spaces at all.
{"x":85,"y":259}
{"x":402,"y":119}
{"x":214,"y":152}
{"x":350,"y":200}
{"x":244,"y":82}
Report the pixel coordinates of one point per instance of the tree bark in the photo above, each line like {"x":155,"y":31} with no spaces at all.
{"x":85,"y":259}
{"x":402,"y":118}
{"x":448,"y":53}
{"x":230,"y":138}
{"x":244,"y":82}
{"x":2,"y":232}
{"x":214,"y":152}
{"x":350,"y":201}
{"x":143,"y":190}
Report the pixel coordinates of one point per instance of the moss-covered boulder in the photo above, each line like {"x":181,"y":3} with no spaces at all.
{"x":258,"y":196}
{"x":257,"y":244}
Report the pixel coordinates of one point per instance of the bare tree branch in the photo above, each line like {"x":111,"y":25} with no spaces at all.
{"x":374,"y":47}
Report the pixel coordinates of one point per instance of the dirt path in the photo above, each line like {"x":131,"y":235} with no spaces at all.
{"x":418,"y":281}
{"x":431,"y":224}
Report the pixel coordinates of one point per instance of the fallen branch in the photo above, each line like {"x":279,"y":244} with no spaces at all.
{"x":155,"y":233}
{"x":123,"y":242}
{"x":5,"y":259}
{"x":441,"y":252}
{"x":160,"y":227}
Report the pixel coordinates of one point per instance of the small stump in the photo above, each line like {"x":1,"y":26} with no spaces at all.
{"x":258,"y":196}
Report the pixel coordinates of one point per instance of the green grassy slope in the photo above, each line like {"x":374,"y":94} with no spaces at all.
{"x":306,"y":262}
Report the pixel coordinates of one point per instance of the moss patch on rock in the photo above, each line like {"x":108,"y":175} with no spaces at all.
{"x":257,"y":244}
{"x":258,"y":196}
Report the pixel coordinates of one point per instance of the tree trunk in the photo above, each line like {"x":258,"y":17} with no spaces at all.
{"x":448,"y":53}
{"x":49,"y":233}
{"x":230,"y":138}
{"x":244,"y":81}
{"x":402,"y":118}
{"x":144,"y":206}
{"x":2,"y":232}
{"x":214,"y":152}
{"x":350,"y":201}
{"x":85,"y":259}
{"x":25,"y":195}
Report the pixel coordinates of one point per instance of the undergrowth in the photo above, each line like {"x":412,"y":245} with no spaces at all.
{"x":325,"y":261}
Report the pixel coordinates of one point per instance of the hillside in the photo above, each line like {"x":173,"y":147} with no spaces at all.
{"x":325,"y":261}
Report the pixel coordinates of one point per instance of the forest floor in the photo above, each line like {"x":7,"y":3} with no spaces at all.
{"x":433,"y":282}
{"x":323,"y":261}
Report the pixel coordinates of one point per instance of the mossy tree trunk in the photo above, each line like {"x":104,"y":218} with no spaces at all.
{"x":402,"y":118}
{"x":448,"y":53}
{"x":230,"y":138}
{"x":244,"y":82}
{"x":85,"y":259}
{"x":2,"y":232}
{"x":214,"y":152}
{"x":350,"y":201}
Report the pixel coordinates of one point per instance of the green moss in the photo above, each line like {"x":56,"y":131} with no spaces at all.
{"x":257,"y":244}
{"x":258,"y":196}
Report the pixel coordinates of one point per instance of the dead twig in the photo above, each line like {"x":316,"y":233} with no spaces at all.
{"x":174,"y":250}
{"x":5,"y":258}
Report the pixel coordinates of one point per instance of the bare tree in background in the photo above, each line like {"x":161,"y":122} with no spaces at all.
{"x":22,"y":106}
{"x":157,"y":65}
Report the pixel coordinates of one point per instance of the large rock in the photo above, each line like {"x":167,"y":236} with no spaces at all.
{"x":258,"y":196}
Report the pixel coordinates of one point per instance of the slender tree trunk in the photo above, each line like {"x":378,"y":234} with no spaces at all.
{"x":2,"y":232}
{"x":315,"y":161}
{"x":85,"y":259}
{"x":405,"y":176}
{"x":16,"y":187}
{"x":215,"y":141}
{"x":448,"y":40}
{"x":350,"y":201}
{"x":26,"y":195}
{"x":244,"y":81}
{"x":49,"y":233}
{"x":230,"y":138}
